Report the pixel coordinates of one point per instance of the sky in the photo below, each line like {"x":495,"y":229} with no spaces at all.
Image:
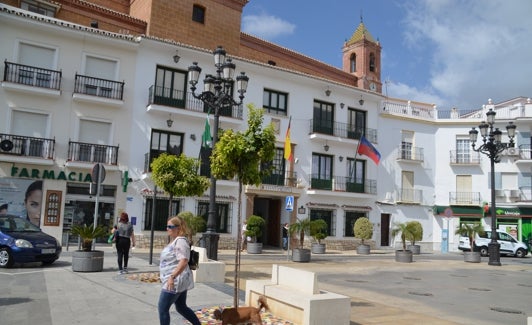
{"x":452,"y":53}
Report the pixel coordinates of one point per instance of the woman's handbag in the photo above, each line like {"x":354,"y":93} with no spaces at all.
{"x":193,"y":260}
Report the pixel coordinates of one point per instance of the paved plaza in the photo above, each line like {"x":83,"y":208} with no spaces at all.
{"x":434,"y":289}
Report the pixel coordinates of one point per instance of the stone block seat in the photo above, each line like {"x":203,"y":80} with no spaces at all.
{"x":293,"y":295}
{"x":208,"y":270}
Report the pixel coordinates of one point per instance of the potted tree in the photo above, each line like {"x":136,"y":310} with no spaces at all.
{"x":404,"y":231}
{"x":254,"y":231}
{"x":195,"y":223}
{"x":470,"y":231}
{"x":86,"y":259}
{"x":416,"y":234}
{"x":363,"y":229}
{"x":318,"y":231}
{"x":300,"y":228}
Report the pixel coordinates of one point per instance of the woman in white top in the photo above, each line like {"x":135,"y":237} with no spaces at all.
{"x":175,"y":274}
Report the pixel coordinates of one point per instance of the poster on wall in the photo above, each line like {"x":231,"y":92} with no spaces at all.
{"x":21,"y":197}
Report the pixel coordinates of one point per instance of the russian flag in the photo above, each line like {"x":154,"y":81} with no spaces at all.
{"x":366,"y":148}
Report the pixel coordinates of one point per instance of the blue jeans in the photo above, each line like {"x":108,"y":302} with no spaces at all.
{"x":285,"y":243}
{"x":179,"y":299}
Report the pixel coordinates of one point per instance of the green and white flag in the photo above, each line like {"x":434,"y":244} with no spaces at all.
{"x":206,"y":138}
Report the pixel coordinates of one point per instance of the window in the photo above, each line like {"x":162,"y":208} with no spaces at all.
{"x":327,"y":216}
{"x":322,"y":166}
{"x":353,"y":63}
{"x":101,"y":68}
{"x":275,"y":102}
{"x":407,"y":186}
{"x":170,"y":87}
{"x":32,"y":125}
{"x":222,"y":224}
{"x":38,"y":7}
{"x":161,"y":213}
{"x":463,"y":153}
{"x":277,"y":175}
{"x":407,"y":145}
{"x":94,"y":137}
{"x":198,"y":14}
{"x":372,"y":62}
{"x":464,"y":185}
{"x":165,"y":142}
{"x":350,"y":219}
{"x":323,"y":118}
{"x":356,"y":171}
{"x":356,"y":124}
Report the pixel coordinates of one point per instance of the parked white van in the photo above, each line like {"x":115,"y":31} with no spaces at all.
{"x":509,"y":245}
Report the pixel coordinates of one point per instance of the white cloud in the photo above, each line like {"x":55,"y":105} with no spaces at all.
{"x":266,"y":26}
{"x":480,"y":49}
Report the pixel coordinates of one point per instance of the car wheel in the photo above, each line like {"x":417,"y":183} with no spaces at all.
{"x":483,"y":251}
{"x":520,"y":253}
{"x":6,"y":260}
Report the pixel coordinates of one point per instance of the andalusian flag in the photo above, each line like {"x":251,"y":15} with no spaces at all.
{"x":287,"y":144}
{"x":206,"y":138}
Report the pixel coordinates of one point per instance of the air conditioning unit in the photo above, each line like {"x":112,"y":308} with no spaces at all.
{"x":512,"y":152}
{"x":500,"y":193}
{"x":6,"y":145}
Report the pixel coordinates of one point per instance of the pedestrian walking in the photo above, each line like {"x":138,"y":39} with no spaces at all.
{"x":285,"y":236}
{"x":125,"y":239}
{"x":175,"y":274}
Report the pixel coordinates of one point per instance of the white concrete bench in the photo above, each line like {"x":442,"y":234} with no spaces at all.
{"x":294,"y":295}
{"x":208,"y":270}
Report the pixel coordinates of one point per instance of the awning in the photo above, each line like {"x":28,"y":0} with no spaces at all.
{"x":459,"y":210}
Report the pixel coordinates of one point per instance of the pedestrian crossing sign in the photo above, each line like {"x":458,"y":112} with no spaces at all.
{"x":289,"y":203}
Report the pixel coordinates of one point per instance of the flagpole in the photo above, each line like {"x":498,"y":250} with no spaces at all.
{"x":355,"y":159}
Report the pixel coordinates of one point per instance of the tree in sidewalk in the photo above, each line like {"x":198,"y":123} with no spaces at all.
{"x":246,"y":155}
{"x":178,"y":176}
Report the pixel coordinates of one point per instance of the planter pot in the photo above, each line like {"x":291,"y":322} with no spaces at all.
{"x":317,"y":248}
{"x":363,"y":249}
{"x":402,"y":256}
{"x":416,"y":249}
{"x":87,"y":261}
{"x":472,"y":257}
{"x":301,"y":255}
{"x":254,"y":248}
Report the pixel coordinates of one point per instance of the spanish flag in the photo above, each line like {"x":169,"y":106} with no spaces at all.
{"x":287,"y":144}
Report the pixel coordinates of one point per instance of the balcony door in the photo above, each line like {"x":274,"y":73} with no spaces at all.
{"x":464,"y":184}
{"x":323,"y":118}
{"x":357,"y":124}
{"x":407,"y":186}
{"x":33,"y":56}
{"x":322,"y":171}
{"x":31,"y":125}
{"x":94,"y":137}
{"x":170,"y":87}
{"x":356,"y":171}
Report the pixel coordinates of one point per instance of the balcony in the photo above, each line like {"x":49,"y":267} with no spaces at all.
{"x":289,"y":179}
{"x":404,"y":108}
{"x":32,"y":76}
{"x":410,"y":154}
{"x":18,"y":145}
{"x":524,"y":153}
{"x":92,"y":153}
{"x":344,"y":184}
{"x":464,"y":157}
{"x":185,"y":100}
{"x":464,"y":198}
{"x":99,"y":87}
{"x":342,"y":130}
{"x":410,"y":196}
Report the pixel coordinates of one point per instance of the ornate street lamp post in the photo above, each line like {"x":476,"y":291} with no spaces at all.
{"x":492,"y":147}
{"x":217,"y":95}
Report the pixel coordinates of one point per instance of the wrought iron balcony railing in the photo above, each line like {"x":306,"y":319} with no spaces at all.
{"x":344,"y":184}
{"x":99,"y":87}
{"x":410,"y":195}
{"x":177,"y":98}
{"x":92,"y":153}
{"x":464,"y":157}
{"x":414,"y":154}
{"x":343,"y":130}
{"x":465,"y":198}
{"x":19,"y":145}
{"x":32,"y":76}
